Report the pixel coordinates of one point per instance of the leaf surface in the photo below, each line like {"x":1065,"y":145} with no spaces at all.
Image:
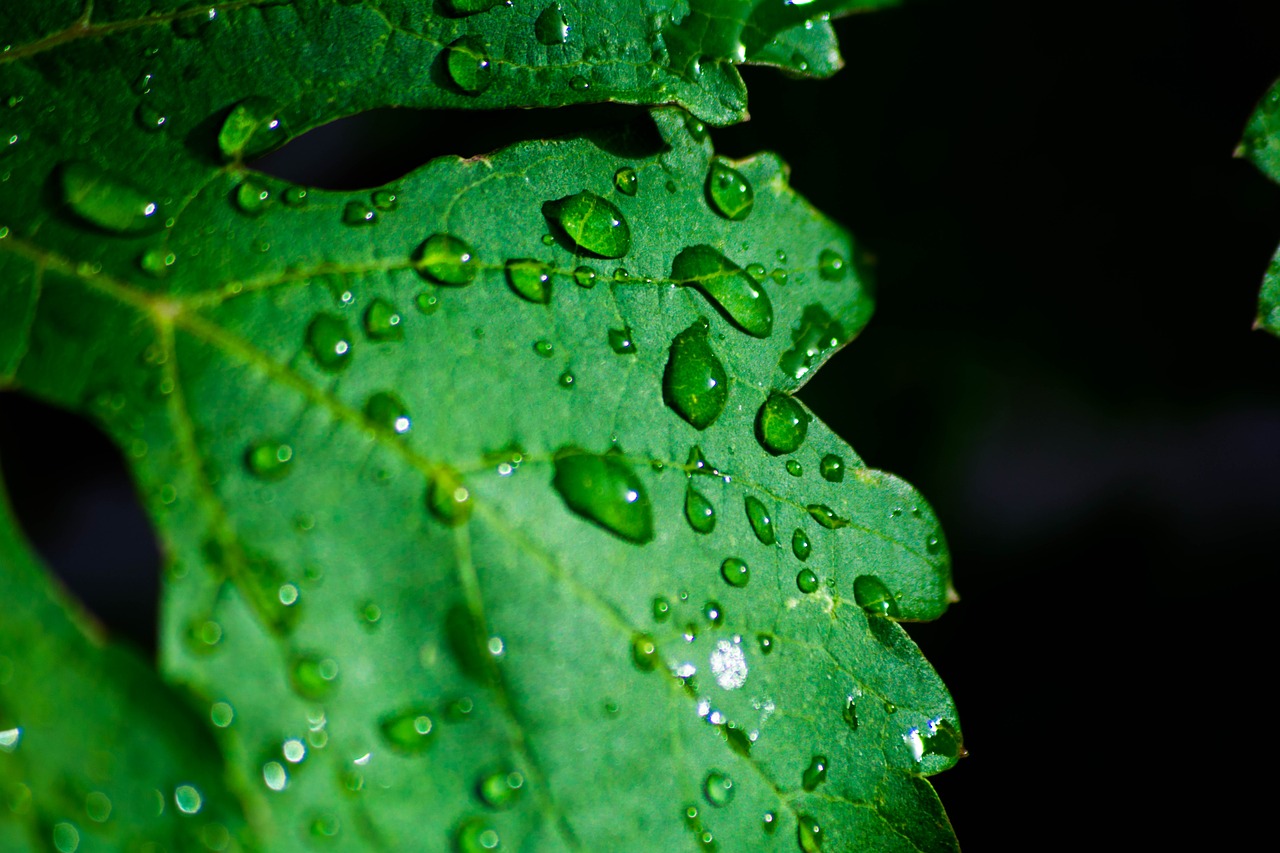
{"x":1261,"y":145}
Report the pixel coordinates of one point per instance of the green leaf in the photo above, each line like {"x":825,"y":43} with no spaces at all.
{"x":1261,"y":145}
{"x":95,"y":752}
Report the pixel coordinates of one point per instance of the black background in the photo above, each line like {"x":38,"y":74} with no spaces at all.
{"x":1062,"y":360}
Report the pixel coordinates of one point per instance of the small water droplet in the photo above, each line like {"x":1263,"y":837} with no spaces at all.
{"x":445,"y":259}
{"x":830,"y":265}
{"x":810,"y":835}
{"x":325,"y":826}
{"x":156,"y":262}
{"x":359,"y":213}
{"x":832,"y":468}
{"x":428,"y":302}
{"x":221,"y":714}
{"x":585,"y":277}
{"x":384,"y":200}
{"x":499,"y":789}
{"x":807,"y":581}
{"x":621,"y":274}
{"x":551,"y":26}
{"x":760,"y":521}
{"x":187,"y":799}
{"x":448,"y":499}
{"x":873,"y":596}
{"x":108,"y":202}
{"x":149,"y":118}
{"x":781,"y":424}
{"x":826,"y":516}
{"x":593,"y":223}
{"x":713,"y":612}
{"x":813,"y":338}
{"x":620,"y":341}
{"x":644,"y":652}
{"x":269,"y":460}
{"x":475,"y":835}
{"x":544,"y":348}
{"x":382,"y":322}
{"x":727,"y":286}
{"x":815,"y":774}
{"x":193,"y":21}
{"x":329,"y":342}
{"x":699,"y":512}
{"x":604,"y":490}
{"x":695,"y":383}
{"x":661,"y":609}
{"x":566,"y":379}
{"x":274,"y":776}
{"x":696,"y":128}
{"x":779,"y":276}
{"x":850,"y":712}
{"x":766,"y":642}
{"x":890,"y":708}
{"x":141,"y":85}
{"x":467,"y":61}
{"x":794,"y":468}
{"x":735,"y":572}
{"x":730,"y":193}
{"x":626,"y":181}
{"x":253,"y":127}
{"x":98,"y":806}
{"x":408,"y":731}
{"x":579,"y":83}
{"x":718,"y":788}
{"x":313,"y":677}
{"x":252,"y":198}
{"x":294,"y":196}
{"x":530,"y":279}
{"x":388,"y":412}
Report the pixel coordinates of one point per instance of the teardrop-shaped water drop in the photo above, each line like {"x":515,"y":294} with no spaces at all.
{"x":593,"y":223}
{"x":717,"y":787}
{"x":873,"y":596}
{"x":695,"y":383}
{"x":759,"y":519}
{"x":794,"y":468}
{"x":530,"y":279}
{"x":807,"y":581}
{"x":626,"y":181}
{"x":584,"y":277}
{"x":499,"y":789}
{"x":253,"y":127}
{"x":810,"y":835}
{"x":445,"y":259}
{"x":826,"y":516}
{"x":329,"y":342}
{"x":727,"y":286}
{"x":621,"y":341}
{"x":729,"y":192}
{"x":448,"y":499}
{"x":830,"y":265}
{"x":566,"y":380}
{"x":469,"y":66}
{"x":313,"y":677}
{"x":606,"y":491}
{"x":551,"y":26}
{"x":382,"y":322}
{"x":408,"y":731}
{"x":644,"y":652}
{"x":108,"y":202}
{"x":269,"y":460}
{"x":850,"y":713}
{"x":756,"y":271}
{"x":800,"y":545}
{"x":699,"y":512}
{"x":735,"y":572}
{"x":832,"y":468}
{"x":388,"y":412}
{"x":781,"y":424}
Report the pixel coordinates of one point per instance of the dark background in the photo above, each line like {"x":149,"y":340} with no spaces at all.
{"x":1062,"y":360}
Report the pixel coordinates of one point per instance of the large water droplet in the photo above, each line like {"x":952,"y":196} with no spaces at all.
{"x":499,"y":789}
{"x":826,"y":516}
{"x":781,"y":424}
{"x":832,"y":468}
{"x":382,"y":322}
{"x":388,"y":412}
{"x":593,"y":223}
{"x":269,"y":460}
{"x":252,"y":127}
{"x":830,"y":265}
{"x":699,"y":511}
{"x":815,"y":774}
{"x":644,"y":652}
{"x":626,"y":181}
{"x":621,"y":341}
{"x":735,"y":572}
{"x":695,"y":383}
{"x":717,"y":787}
{"x":408,"y":731}
{"x":530,"y":279}
{"x":551,"y":27}
{"x":98,"y":806}
{"x":727,"y":286}
{"x":469,"y":66}
{"x":313,"y":677}
{"x":448,"y":499}
{"x":807,"y":581}
{"x":873,"y":596}
{"x":108,"y":202}
{"x":761,"y":523}
{"x":729,"y":192}
{"x":476,"y":835}
{"x":605,"y":490}
{"x":329,"y":342}
{"x":445,"y":259}
{"x":810,"y":835}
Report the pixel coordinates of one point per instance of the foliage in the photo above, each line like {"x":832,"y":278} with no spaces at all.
{"x":489,"y":517}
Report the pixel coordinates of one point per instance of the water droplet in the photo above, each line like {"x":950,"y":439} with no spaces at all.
{"x":579,"y":83}
{"x":620,"y":341}
{"x":626,"y":181}
{"x":187,"y":799}
{"x":890,"y":708}
{"x":605,"y":490}
{"x":832,"y":468}
{"x":149,"y":118}
{"x":735,"y":572}
{"x":382,"y":322}
{"x":499,"y":789}
{"x":252,"y":198}
{"x":288,"y":594}
{"x":593,"y":223}
{"x":695,"y":384}
{"x":448,"y":499}
{"x":727,"y":286}
{"x":770,"y":822}
{"x":815,"y":774}
{"x":221,"y":714}
{"x":826,"y":516}
{"x":816,"y":336}
{"x":274,"y":776}
{"x":475,"y":835}
{"x":566,"y":380}
{"x":699,"y":511}
{"x":696,"y":128}
{"x":313,"y":677}
{"x":141,"y":84}
{"x":384,"y":200}
{"x":850,"y":712}
{"x":729,"y":192}
{"x":445,"y":259}
{"x":329,"y":342}
{"x":468,"y":63}
{"x":358,"y":213}
{"x":585,"y":277}
{"x":294,"y":196}
{"x":779,"y":276}
{"x":109,"y":203}
{"x":387,"y":411}
{"x":621,"y":274}
{"x":644,"y":652}
{"x":810,"y":835}
{"x":807,"y":581}
{"x":661,"y":609}
{"x":873,"y":596}
{"x":156,"y":262}
{"x":718,"y":789}
{"x":781,"y":424}
{"x":9,"y":739}
{"x":252,"y":127}
{"x":408,"y":731}
{"x":66,"y":838}
{"x":98,"y":806}
{"x":830,"y":265}
{"x":325,"y":826}
{"x":794,"y":468}
{"x":761,"y":523}
{"x":766,"y":642}
{"x":544,"y":348}
{"x":427,"y":302}
{"x":551,"y":27}
{"x":269,"y":460}
{"x":713,"y":612}
{"x":530,"y":279}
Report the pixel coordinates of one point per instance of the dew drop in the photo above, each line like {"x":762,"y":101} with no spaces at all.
{"x":448,"y":499}
{"x":873,"y":596}
{"x":695,"y":127}
{"x":156,"y":262}
{"x":695,"y":383}
{"x":66,"y":838}
{"x":735,"y":572}
{"x":221,"y":714}
{"x":388,"y":412}
{"x":766,"y":642}
{"x":585,"y":277}
{"x":187,"y":799}
{"x":358,"y":213}
{"x":566,"y":380}
{"x":499,"y":789}
{"x":827,"y":517}
{"x":644,"y":652}
{"x":770,"y":822}
{"x":149,"y":118}
{"x":807,"y":581}
{"x":794,"y":468}
{"x":830,"y":265}
{"x":107,"y":202}
{"x":551,"y":26}
{"x":98,"y":806}
{"x":620,"y":341}
{"x":141,"y":84}
{"x":294,"y":196}
{"x":408,"y":731}
{"x":252,"y":198}
{"x":816,"y":336}
{"x":756,"y":271}
{"x":329,"y":342}
{"x":382,"y":322}
{"x":760,"y":521}
{"x":626,"y":181}
{"x":699,"y":512}
{"x":313,"y":677}
{"x":850,"y":713}
{"x":727,"y":286}
{"x":810,"y":835}
{"x":621,"y":275}
{"x":713,"y":612}
{"x":469,"y":66}
{"x":475,"y":835}
{"x":530,"y":279}
{"x":606,"y":491}
{"x":729,"y":192}
{"x":661,"y":609}
{"x":384,"y":200}
{"x":781,"y":424}
{"x":253,"y":127}
{"x":593,"y":223}
{"x":718,"y":788}
{"x":544,"y":348}
{"x":427,"y":302}
{"x":325,"y":826}
{"x":815,"y":774}
{"x":269,"y":460}
{"x":832,"y":468}
{"x":274,"y":776}
{"x":445,"y":259}
{"x":579,"y":83}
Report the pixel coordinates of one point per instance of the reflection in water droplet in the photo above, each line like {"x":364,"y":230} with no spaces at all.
{"x":408,"y":731}
{"x":727,"y":286}
{"x":699,"y":511}
{"x":760,"y":521}
{"x":717,"y":787}
{"x":815,"y":774}
{"x":108,"y":202}
{"x":626,"y":181}
{"x":593,"y":223}
{"x":827,"y":517}
{"x":781,"y":424}
{"x":551,"y":26}
{"x":830,"y":265}
{"x":729,"y":192}
{"x":382,"y":322}
{"x":605,"y":490}
{"x":644,"y":652}
{"x":467,"y":61}
{"x":445,"y":259}
{"x":695,"y":383}
{"x":807,"y":581}
{"x":499,"y":789}
{"x":329,"y":342}
{"x":874,"y":597}
{"x":735,"y":572}
{"x":530,"y":279}
{"x":269,"y":460}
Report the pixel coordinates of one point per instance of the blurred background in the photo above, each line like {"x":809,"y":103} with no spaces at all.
{"x":1062,"y":361}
